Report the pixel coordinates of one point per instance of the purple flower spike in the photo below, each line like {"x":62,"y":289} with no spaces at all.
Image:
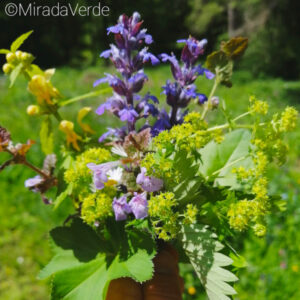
{"x":128,"y":114}
{"x":139,"y":205}
{"x":100,"y":173}
{"x":121,"y":208}
{"x":149,"y":184}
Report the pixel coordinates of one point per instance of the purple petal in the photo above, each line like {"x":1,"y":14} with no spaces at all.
{"x":32,"y":182}
{"x":149,"y":184}
{"x":209,"y":74}
{"x":100,"y":81}
{"x":139,"y":206}
{"x":106,"y":53}
{"x":148,"y":39}
{"x":121,"y":208}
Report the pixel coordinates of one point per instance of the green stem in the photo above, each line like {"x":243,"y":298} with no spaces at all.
{"x":208,"y":103}
{"x":85,"y":96}
{"x":227,"y":166}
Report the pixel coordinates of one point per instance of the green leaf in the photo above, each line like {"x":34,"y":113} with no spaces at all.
{"x":220,"y":64}
{"x":202,"y":248}
{"x":84,"y":264}
{"x":4,"y":51}
{"x":19,"y":41}
{"x":63,"y":196}
{"x":15,"y":73}
{"x":235,"y":47}
{"x":239,"y":261}
{"x":220,"y":159}
{"x":46,"y":136}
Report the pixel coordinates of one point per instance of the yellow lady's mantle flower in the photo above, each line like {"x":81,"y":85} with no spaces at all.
{"x":72,"y":137}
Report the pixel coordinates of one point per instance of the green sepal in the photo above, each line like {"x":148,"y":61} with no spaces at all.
{"x":15,"y":73}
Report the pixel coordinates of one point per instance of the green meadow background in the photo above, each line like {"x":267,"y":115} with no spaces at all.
{"x":270,"y":70}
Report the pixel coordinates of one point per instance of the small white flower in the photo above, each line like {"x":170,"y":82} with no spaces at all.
{"x":115,"y":174}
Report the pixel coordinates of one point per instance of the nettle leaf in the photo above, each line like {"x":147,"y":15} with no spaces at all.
{"x":84,"y":264}
{"x":4,"y":51}
{"x":220,"y":64}
{"x":19,"y":41}
{"x":220,"y":159}
{"x":202,"y":248}
{"x":235,"y":47}
{"x":15,"y":73}
{"x":46,"y":136}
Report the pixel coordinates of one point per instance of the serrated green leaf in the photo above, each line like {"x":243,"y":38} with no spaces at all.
{"x":46,"y":136}
{"x":84,"y":264}
{"x":19,"y":41}
{"x":4,"y":51}
{"x":202,"y":248}
{"x":15,"y":73}
{"x":220,"y":159}
{"x":235,"y":47}
{"x":220,"y":64}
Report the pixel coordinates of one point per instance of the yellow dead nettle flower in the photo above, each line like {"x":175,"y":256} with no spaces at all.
{"x":33,"y":110}
{"x":72,"y":137}
{"x":41,"y":87}
{"x":81,"y":114}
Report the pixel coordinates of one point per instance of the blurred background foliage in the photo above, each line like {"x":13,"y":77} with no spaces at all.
{"x":270,"y":70}
{"x":271,"y":25}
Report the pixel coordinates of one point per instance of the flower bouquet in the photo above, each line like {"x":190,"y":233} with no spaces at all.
{"x":169,"y":186}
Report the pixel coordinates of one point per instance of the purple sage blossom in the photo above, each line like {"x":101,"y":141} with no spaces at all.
{"x":121,"y":208}
{"x":100,"y":173}
{"x":149,"y":183}
{"x":128,"y":114}
{"x":129,"y":55}
{"x":32,"y":183}
{"x":139,"y":205}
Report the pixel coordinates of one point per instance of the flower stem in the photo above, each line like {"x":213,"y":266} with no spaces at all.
{"x":85,"y":96}
{"x":208,"y":103}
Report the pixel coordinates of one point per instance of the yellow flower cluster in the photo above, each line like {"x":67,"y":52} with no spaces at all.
{"x":79,"y":174}
{"x":258,"y":106}
{"x":188,"y":136}
{"x":288,"y":120}
{"x":268,"y":145}
{"x":243,"y":213}
{"x":190,"y":215}
{"x":98,"y":206}
{"x":164,"y":219}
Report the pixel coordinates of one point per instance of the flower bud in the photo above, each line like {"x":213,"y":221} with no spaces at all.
{"x":215,"y":102}
{"x":66,"y":126}
{"x":19,"y":54}
{"x":26,"y":57}
{"x":7,"y":68}
{"x":11,"y":57}
{"x":33,"y":110}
